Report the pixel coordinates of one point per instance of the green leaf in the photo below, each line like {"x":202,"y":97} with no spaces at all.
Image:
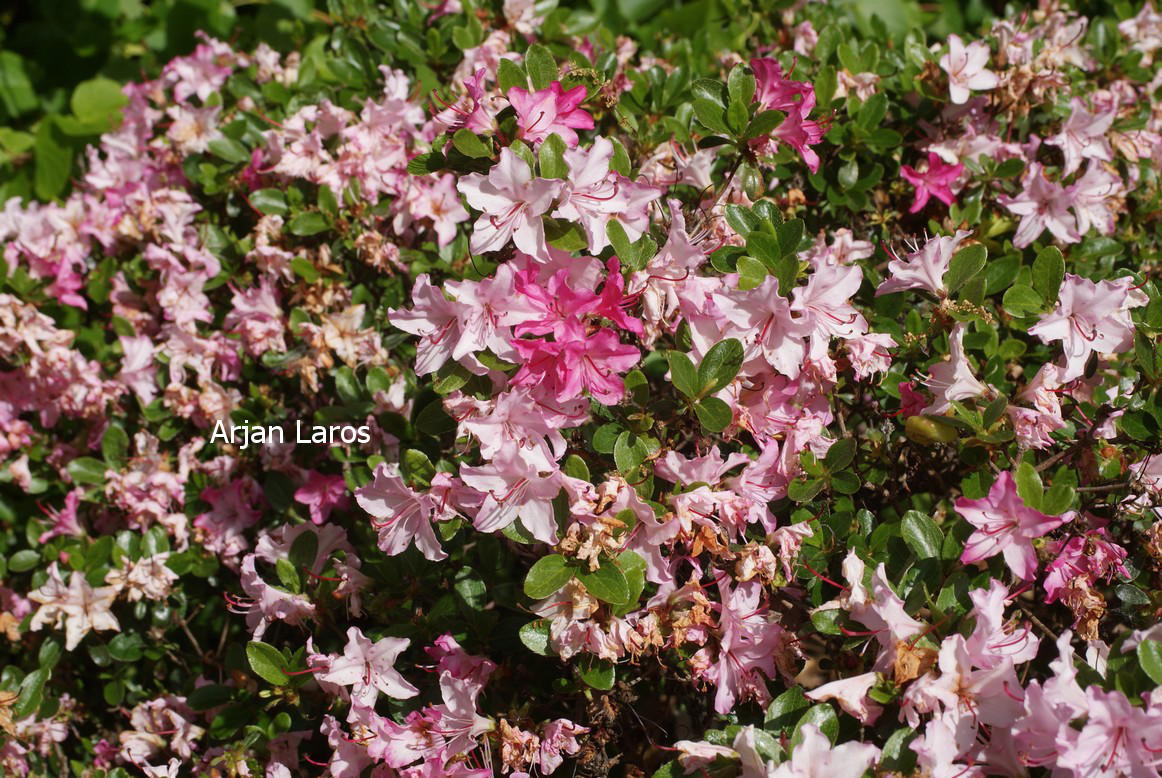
{"x":763,"y":123}
{"x":267,"y":662}
{"x":605,"y":438}
{"x":751,"y":273}
{"x":535,"y":636}
{"x":840,"y":454}
{"x":804,"y":491}
{"x":288,"y":576}
{"x":714,"y":414}
{"x":785,"y":710}
{"x":922,"y":535}
{"x":307,"y":223}
{"x":994,"y":411}
{"x":24,"y":560}
{"x":737,"y":117}
{"x":740,"y":85}
{"x":719,"y":367}
{"x":469,"y":144}
{"x":711,"y":115}
{"x":87,"y":470}
{"x":230,"y":150}
{"x":53,"y":160}
{"x":209,"y":696}
{"x":822,"y":716}
{"x":607,"y":583}
{"x":1029,"y":487}
{"x":270,"y":202}
{"x":450,"y":377}
{"x":548,"y":575}
{"x":510,"y":74}
{"x":631,"y":450}
{"x":434,"y":420}
{"x":790,"y":234}
{"x":1150,"y":657}
{"x":97,"y":100}
{"x":1021,"y":300}
{"x":1010,"y":168}
{"x":304,"y":269}
{"x":126,"y":647}
{"x":31,"y":693}
{"x":552,"y":158}
{"x":423,"y":164}
{"x":965,"y":264}
{"x":541,"y":66}
{"x":1058,"y":498}
{"x":304,"y":551}
{"x":575,"y":467}
{"x":710,"y":90}
{"x":115,"y":446}
{"x":873,"y":111}
{"x":683,"y":374}
{"x":1048,"y":273}
{"x":598,"y":673}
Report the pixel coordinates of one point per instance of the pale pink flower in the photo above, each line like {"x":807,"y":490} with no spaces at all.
{"x":1089,"y":317}
{"x":400,"y":514}
{"x":433,"y":318}
{"x":369,"y":668}
{"x":511,"y":202}
{"x":1005,"y":525}
{"x":952,"y":380}
{"x":1083,"y":136}
{"x":966,"y":68}
{"x":762,"y":320}
{"x":851,"y":694}
{"x":924,"y":267}
{"x":1042,"y":205}
{"x":78,"y":607}
{"x":515,"y":489}
{"x":815,"y":757}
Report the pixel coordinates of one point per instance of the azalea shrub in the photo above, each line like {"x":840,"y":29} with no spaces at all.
{"x":649,"y":388}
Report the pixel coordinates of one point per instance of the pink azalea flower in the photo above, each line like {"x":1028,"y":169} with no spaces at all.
{"x":577,"y":362}
{"x":1083,"y":136}
{"x":1095,"y":196}
{"x":593,"y":196}
{"x":935,"y":181}
{"x":434,"y":319}
{"x":815,"y":757}
{"x":369,"y":668}
{"x":437,"y":200}
{"x":1005,"y":525}
{"x":515,"y":489}
{"x":1117,"y":739}
{"x":796,"y":99}
{"x":1089,"y":317}
{"x":824,"y":306}
{"x":64,"y":520}
{"x":511,"y":202}
{"x":800,"y":134}
{"x":1042,"y":205}
{"x":851,"y":694}
{"x":553,"y":110}
{"x":322,"y":494}
{"x":762,"y":320}
{"x":952,"y":380}
{"x":402,"y":515}
{"x":966,"y":69}
{"x":1091,"y":556}
{"x":924,"y":267}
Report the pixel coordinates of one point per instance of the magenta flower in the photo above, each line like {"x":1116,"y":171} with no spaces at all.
{"x":553,"y":110}
{"x":577,"y":361}
{"x":321,"y":494}
{"x":935,"y":181}
{"x":1006,"y":525}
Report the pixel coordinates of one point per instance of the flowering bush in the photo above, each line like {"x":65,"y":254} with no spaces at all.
{"x":649,"y":388}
